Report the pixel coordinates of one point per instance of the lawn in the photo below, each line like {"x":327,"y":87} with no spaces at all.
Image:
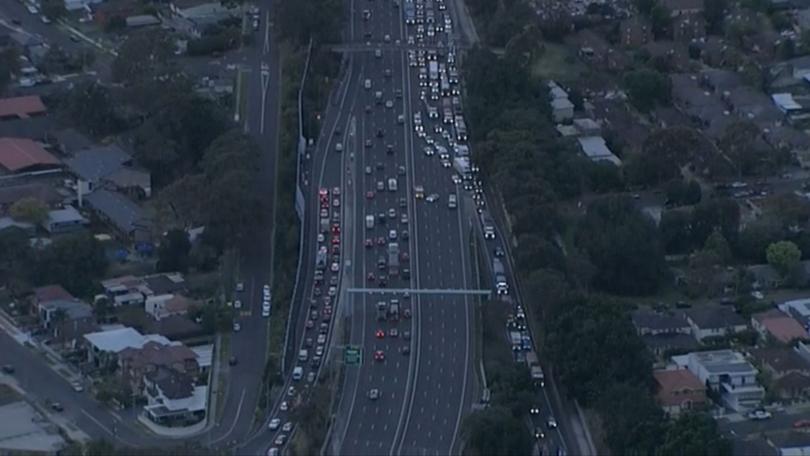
{"x":558,"y":63}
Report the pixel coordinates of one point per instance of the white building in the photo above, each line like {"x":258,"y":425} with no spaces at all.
{"x":728,"y":373}
{"x":562,"y":109}
{"x":596,"y":149}
{"x":173,"y":399}
{"x":74,"y":5}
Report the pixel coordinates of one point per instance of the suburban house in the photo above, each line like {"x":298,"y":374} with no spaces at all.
{"x":714,"y":321}
{"x":129,"y":220}
{"x":595,"y":148}
{"x":173,"y":399}
{"x":21,"y":155}
{"x":105,"y":346}
{"x":793,"y":387}
{"x":778,"y":326}
{"x":798,"y":309}
{"x":562,"y":109}
{"x":110,"y":165}
{"x":135,"y":362}
{"x":727,"y":373}
{"x":64,"y":317}
{"x":681,"y":7}
{"x":65,"y":220}
{"x":126,"y":290}
{"x":635,"y":31}
{"x":780,"y":361}
{"x":193,"y":16}
{"x":662,"y":331}
{"x":21,"y":108}
{"x":166,"y":305}
{"x":679,"y":390}
{"x":791,"y":443}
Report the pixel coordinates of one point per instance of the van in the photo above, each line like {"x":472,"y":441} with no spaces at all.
{"x":303,"y":355}
{"x":392,"y":185}
{"x":298,"y":373}
{"x":369,"y":222}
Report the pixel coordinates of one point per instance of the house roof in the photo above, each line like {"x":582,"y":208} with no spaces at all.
{"x":714,"y":317}
{"x":8,"y":222}
{"x":116,"y":340}
{"x":596,"y":149}
{"x":51,"y":293}
{"x":21,"y":107}
{"x":780,"y":359}
{"x":70,"y":140}
{"x":68,"y":214}
{"x":649,"y":319}
{"x":683,"y":5}
{"x":95,"y":163}
{"x":156,"y":354}
{"x":73,"y":308}
{"x":780,"y":325}
{"x":792,"y":381}
{"x":175,"y":327}
{"x":18,"y":154}
{"x":173,"y":384}
{"x":720,"y":80}
{"x":791,"y":439}
{"x":41,"y":191}
{"x":120,"y":210}
{"x":129,"y":177}
{"x":165,"y":283}
{"x":35,"y":128}
{"x":668,"y":341}
{"x":673,"y":382}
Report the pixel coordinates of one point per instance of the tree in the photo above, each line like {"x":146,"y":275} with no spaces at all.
{"x":683,"y":193}
{"x":784,"y":256}
{"x":593,"y":331}
{"x":648,"y":88}
{"x":661,"y":20}
{"x":718,"y":245}
{"x":714,"y":12}
{"x":16,"y":256}
{"x":635,"y":426}
{"x":173,"y":253}
{"x":623,"y":245}
{"x":664,"y":152}
{"x":89,"y":106}
{"x":9,"y":65}
{"x":29,"y":210}
{"x":75,"y":261}
{"x":495,"y":431}
{"x":694,"y":433}
{"x":143,"y":57}
{"x":717,"y":214}
{"x":754,"y":240}
{"x":675,"y":230}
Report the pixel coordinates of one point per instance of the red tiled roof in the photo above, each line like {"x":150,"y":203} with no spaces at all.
{"x":51,"y":293}
{"x":21,"y":107}
{"x":677,"y":386}
{"x":16,"y":154}
{"x":780,"y":325}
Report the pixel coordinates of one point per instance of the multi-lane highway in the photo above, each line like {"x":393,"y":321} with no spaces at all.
{"x":415,"y":382}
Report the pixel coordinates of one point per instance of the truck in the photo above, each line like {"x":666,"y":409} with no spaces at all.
{"x":393,"y":258}
{"x":320,"y":258}
{"x":499,"y":276}
{"x":461,"y":128}
{"x":393,"y":310}
{"x":487,"y":225}
{"x":535,"y":370}
{"x":325,"y":225}
{"x":461,"y":150}
{"x":462,"y":165}
{"x":433,"y":70}
{"x":382,"y":311}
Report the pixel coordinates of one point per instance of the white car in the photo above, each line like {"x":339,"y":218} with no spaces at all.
{"x":236,"y":326}
{"x":240,"y":287}
{"x":321,"y":237}
{"x":335,"y":267}
{"x":287,"y":427}
{"x":759,"y":415}
{"x":237,"y":304}
{"x":265,"y":312}
{"x":284,"y":407}
{"x":432,"y":198}
{"x":367,"y":84}
{"x":274,"y":424}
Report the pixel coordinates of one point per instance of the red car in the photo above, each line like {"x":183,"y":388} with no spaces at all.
{"x":379,"y":355}
{"x":369,"y":242}
{"x":371,"y":277}
{"x":335,"y":240}
{"x":369,"y":194}
{"x":323,"y":194}
{"x":380,"y":334}
{"x":335,"y":229}
{"x":380,"y":240}
{"x":801,"y":424}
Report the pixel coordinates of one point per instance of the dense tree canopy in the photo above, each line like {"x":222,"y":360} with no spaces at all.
{"x":495,"y":431}
{"x":75,"y":261}
{"x":648,"y":88}
{"x":624,"y":246}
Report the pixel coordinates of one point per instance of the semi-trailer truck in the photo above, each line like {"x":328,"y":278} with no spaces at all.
{"x":393,"y":258}
{"x":499,"y":277}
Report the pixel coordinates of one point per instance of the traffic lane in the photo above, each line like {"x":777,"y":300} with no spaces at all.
{"x":32,"y":23}
{"x":33,"y":375}
{"x":389,"y":374}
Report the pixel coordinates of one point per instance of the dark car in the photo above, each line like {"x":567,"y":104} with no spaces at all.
{"x":499,"y":252}
{"x":233,"y":361}
{"x":8,"y":369}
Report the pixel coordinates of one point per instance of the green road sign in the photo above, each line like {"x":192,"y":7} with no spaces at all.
{"x":352,"y":355}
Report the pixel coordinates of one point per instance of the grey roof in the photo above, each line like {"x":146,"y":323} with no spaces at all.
{"x":39,"y":190}
{"x":668,"y":341}
{"x":714,"y":317}
{"x":96,"y":162}
{"x":65,"y":215}
{"x":35,"y":128}
{"x":163,"y":284}
{"x":129,"y":177}
{"x":720,"y":80}
{"x":74,"y":308}
{"x":173,"y":384}
{"x":781,"y":359}
{"x":121,"y":211}
{"x":8,"y":222}
{"x":650,"y":319}
{"x":70,"y":140}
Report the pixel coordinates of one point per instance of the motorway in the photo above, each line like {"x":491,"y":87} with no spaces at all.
{"x":427,"y":387}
